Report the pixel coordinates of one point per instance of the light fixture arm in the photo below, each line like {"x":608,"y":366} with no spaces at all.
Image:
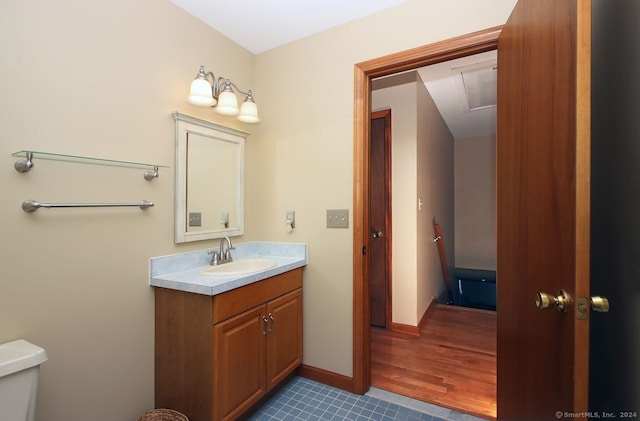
{"x":248,"y":93}
{"x":218,"y":84}
{"x":211,"y":78}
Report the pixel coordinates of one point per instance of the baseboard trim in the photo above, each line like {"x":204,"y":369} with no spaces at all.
{"x":326,"y":377}
{"x":414,"y":330}
{"x":406,"y":329}
{"x":427,"y":312}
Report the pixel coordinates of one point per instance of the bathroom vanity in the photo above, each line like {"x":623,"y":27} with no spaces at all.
{"x":219,"y":350}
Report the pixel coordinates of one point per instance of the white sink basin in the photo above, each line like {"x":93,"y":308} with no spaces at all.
{"x":238,"y":267}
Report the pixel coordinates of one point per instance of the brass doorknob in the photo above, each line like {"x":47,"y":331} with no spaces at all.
{"x":559,"y":301}
{"x":599,"y":304}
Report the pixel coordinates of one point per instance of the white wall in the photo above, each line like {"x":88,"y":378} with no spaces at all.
{"x":475,"y":202}
{"x":102,"y":79}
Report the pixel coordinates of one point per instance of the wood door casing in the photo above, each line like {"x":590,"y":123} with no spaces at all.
{"x":478,"y":42}
{"x":380,"y":211}
{"x":578,"y":36}
{"x":543,"y":207}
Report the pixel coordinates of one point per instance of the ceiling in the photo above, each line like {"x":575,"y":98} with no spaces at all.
{"x":260,"y":26}
{"x":465,"y":92}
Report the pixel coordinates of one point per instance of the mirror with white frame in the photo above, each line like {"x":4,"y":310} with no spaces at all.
{"x":209,"y":197}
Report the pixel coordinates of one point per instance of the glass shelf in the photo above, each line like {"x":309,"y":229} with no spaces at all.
{"x":84,"y":159}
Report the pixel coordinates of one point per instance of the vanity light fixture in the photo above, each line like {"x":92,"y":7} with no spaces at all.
{"x":218,"y":93}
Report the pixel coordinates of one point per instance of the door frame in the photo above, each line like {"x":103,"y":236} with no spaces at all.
{"x":466,"y":45}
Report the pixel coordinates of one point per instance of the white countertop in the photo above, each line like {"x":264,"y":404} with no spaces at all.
{"x":180,"y":271}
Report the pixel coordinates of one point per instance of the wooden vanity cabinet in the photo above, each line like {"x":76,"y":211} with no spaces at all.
{"x":218,"y":368}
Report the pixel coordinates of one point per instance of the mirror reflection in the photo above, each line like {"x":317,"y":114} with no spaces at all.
{"x":209,"y":180}
{"x":212,"y":178}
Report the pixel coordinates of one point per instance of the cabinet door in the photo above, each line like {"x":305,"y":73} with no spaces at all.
{"x":239,"y":359}
{"x":284,"y":341}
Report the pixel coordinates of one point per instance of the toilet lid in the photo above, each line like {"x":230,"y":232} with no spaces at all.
{"x":19,"y":355}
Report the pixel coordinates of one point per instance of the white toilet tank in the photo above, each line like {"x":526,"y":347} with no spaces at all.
{"x":19,"y":365}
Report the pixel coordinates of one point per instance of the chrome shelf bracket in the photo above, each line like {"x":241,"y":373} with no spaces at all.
{"x":24,"y":165}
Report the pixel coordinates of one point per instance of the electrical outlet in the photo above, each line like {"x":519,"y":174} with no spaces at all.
{"x":291,"y":218}
{"x":195,"y":219}
{"x":337,"y":218}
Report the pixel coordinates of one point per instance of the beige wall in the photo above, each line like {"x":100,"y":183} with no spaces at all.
{"x":402,"y":100}
{"x":422,"y":169}
{"x":305,"y":152}
{"x":475,"y":202}
{"x":435,"y":187}
{"x":102,"y":79}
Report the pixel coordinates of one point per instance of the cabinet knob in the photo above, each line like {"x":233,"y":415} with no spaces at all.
{"x":266,"y":325}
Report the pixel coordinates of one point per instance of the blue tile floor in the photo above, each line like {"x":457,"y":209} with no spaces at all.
{"x":304,"y":399}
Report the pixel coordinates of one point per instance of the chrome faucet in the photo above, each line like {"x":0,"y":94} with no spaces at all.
{"x":222,"y":256}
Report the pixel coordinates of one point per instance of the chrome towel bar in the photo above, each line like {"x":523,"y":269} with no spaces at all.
{"x":32,"y":205}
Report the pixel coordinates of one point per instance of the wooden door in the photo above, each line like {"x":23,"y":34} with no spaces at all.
{"x":543,"y":170}
{"x":284,"y":338}
{"x":239,"y":358}
{"x":380,"y":210}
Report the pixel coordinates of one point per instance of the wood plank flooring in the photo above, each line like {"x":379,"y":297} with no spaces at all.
{"x":451,"y":364}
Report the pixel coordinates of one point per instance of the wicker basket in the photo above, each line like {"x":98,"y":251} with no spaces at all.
{"x":162,"y":415}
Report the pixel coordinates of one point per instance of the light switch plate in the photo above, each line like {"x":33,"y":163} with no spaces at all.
{"x":337,"y":218}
